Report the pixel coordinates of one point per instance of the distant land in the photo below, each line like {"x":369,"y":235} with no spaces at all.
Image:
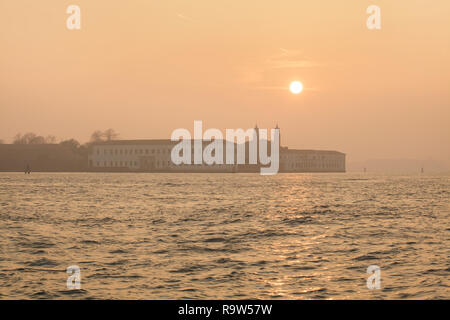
{"x":398,"y":166}
{"x":44,"y":154}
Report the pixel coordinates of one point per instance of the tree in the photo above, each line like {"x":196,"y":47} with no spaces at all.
{"x":27,"y":138}
{"x":50,"y":139}
{"x":70,"y":143}
{"x":106,"y":135}
{"x":18,"y":139}
{"x":97,"y":136}
{"x":37,"y":140}
{"x":110,"y":134}
{"x":32,"y":138}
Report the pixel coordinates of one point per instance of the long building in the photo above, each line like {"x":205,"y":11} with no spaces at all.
{"x":42,"y":157}
{"x":144,"y":155}
{"x":155,"y":156}
{"x":292,"y":160}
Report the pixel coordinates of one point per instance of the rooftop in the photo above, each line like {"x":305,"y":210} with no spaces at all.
{"x":168,"y":141}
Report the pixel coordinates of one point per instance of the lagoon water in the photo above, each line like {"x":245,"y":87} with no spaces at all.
{"x":224,"y":236}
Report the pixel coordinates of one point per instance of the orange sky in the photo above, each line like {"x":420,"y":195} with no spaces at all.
{"x":146,"y":68}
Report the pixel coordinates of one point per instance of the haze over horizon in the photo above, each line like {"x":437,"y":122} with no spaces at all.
{"x":146,"y":69}
{"x":97,"y":202}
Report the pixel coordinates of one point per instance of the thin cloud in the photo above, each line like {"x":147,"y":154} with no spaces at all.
{"x":274,"y":68}
{"x":184,"y":17}
{"x":290,"y":59}
{"x":284,"y":88}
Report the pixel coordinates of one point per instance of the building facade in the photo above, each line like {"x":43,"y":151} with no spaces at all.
{"x":311,"y":161}
{"x":155,"y":156}
{"x":145,"y":156}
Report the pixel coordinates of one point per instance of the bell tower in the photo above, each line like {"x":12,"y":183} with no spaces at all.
{"x":279,"y":136}
{"x":257,"y":143}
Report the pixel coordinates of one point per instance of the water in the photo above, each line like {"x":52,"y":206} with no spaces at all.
{"x":215,"y":236}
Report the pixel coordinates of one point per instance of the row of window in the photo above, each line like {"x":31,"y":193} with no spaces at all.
{"x":311,"y":164}
{"x":133,"y":151}
{"x":159,"y":164}
{"x":297,"y":157}
{"x":146,"y":165}
{"x":117,"y":164}
{"x":122,"y":164}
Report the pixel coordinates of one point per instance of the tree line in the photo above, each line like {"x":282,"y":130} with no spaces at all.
{"x":32,"y":138}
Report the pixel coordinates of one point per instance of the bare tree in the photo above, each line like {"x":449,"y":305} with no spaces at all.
{"x":71,"y":143}
{"x":50,"y":139}
{"x":29,"y":138}
{"x":110,"y":134}
{"x":18,"y":139}
{"x":97,"y":136}
{"x":106,"y":135}
{"x":37,"y":140}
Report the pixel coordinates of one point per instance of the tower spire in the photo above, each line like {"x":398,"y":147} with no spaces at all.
{"x":257,"y":142}
{"x":279,"y":135}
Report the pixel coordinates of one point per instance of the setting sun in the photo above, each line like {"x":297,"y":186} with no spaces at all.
{"x":296,"y":87}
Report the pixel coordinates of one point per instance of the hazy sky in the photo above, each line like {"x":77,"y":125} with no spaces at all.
{"x":146,"y":68}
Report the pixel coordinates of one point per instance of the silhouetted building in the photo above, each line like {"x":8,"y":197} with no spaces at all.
{"x":155,"y":155}
{"x":40,"y":157}
{"x":145,"y":155}
{"x":311,"y":161}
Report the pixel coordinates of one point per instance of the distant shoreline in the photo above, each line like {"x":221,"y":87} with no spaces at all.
{"x":193,"y":171}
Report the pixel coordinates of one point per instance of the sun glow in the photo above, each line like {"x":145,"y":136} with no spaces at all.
{"x":296,"y":87}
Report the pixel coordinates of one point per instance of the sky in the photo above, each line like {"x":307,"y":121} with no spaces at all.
{"x":146,"y":68}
